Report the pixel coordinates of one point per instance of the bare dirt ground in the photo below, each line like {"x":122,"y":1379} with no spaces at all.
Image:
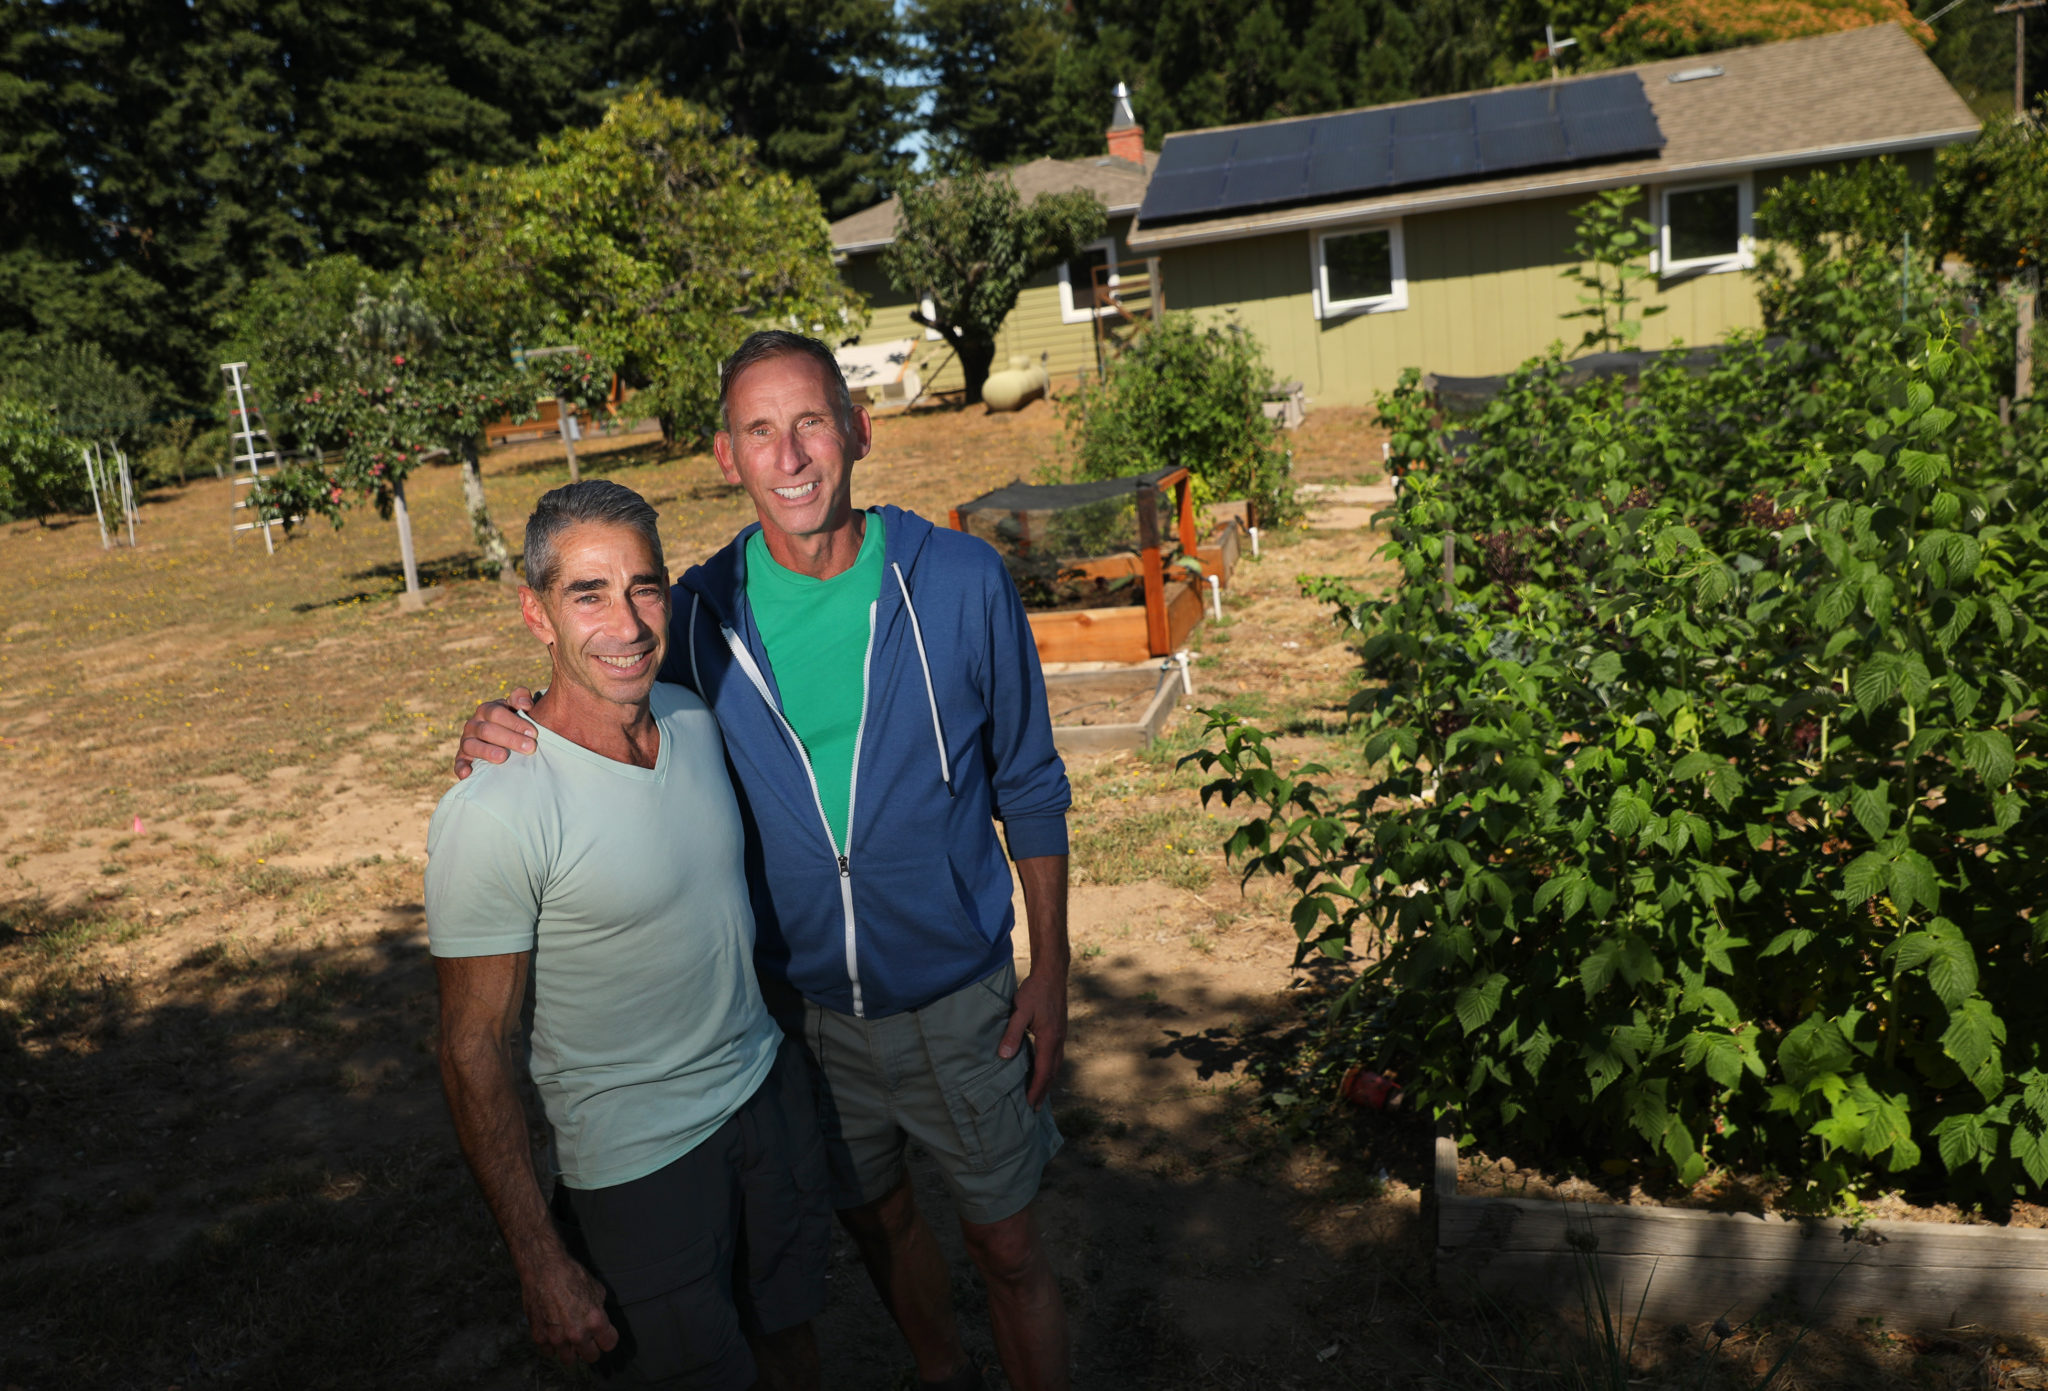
{"x":223,"y":1156}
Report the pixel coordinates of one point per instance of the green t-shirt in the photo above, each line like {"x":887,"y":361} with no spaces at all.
{"x":816,"y":633}
{"x":629,"y":887}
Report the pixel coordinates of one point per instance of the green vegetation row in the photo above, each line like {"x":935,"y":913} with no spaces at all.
{"x":1709,"y":825}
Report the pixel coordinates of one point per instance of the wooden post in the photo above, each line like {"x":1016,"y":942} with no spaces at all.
{"x":1157,"y":641}
{"x":1157,"y":286}
{"x":1444,"y":1169}
{"x":1184,"y":500}
{"x":2023,"y":336}
{"x":2018,"y":10}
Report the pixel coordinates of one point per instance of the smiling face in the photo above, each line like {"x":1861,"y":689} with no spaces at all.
{"x":605,"y":617}
{"x":788,"y":446}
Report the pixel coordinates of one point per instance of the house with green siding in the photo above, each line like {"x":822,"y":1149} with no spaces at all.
{"x":1448,"y":253}
{"x":1055,"y":319}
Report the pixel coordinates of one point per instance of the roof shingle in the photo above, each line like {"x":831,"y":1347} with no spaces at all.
{"x":1119,"y":183}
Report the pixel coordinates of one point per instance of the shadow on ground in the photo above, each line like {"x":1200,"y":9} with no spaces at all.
{"x":248,"y":1181}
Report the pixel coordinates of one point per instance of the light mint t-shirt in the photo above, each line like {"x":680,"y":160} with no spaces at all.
{"x":816,"y":632}
{"x":628,"y":886}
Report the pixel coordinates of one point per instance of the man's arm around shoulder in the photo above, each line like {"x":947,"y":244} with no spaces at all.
{"x":480,"y":1000}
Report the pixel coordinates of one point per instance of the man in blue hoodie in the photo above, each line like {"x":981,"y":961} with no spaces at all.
{"x":878,"y":689}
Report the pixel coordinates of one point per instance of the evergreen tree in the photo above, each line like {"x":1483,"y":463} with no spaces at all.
{"x":805,"y":80}
{"x":161,"y":155}
{"x":993,"y":65}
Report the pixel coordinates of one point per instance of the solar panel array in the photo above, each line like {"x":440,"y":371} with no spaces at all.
{"x":1206,"y":173}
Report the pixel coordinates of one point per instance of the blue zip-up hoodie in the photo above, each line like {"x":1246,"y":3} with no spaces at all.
{"x":954,"y":734}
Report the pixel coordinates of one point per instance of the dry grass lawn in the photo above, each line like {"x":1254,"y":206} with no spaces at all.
{"x":223,"y":1158}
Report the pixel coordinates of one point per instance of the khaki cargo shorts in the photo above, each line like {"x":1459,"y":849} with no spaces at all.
{"x":931,"y":1075}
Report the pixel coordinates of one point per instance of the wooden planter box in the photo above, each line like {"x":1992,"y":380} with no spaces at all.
{"x":1172,"y":606}
{"x":1679,"y":1265}
{"x":1121,"y":635}
{"x":1121,"y":708}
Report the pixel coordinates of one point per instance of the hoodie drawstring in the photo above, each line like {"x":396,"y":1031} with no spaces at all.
{"x":696,"y":677}
{"x":931,"y":697}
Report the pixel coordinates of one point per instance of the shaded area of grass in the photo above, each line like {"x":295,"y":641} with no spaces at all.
{"x":384,"y":1272}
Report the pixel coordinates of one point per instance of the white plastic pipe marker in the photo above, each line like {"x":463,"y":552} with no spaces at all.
{"x":1216,"y":595}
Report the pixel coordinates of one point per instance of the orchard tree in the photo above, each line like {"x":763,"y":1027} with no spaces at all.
{"x":375,"y":375}
{"x":655,"y":240}
{"x":970,"y":244}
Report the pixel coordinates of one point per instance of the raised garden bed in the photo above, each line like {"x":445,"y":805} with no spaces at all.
{"x":1683,"y":1265}
{"x":1122,"y":606}
{"x":1115,"y":708}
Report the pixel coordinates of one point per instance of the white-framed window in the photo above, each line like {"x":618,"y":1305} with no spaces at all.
{"x":1358,"y":270}
{"x":1077,"y":282}
{"x":1705,"y":229}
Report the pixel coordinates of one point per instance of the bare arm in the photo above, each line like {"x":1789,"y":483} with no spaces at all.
{"x":495,"y":732}
{"x":1041,"y":1005}
{"x":480,"y":999}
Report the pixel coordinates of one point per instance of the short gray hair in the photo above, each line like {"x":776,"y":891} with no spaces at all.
{"x":770,"y":343}
{"x":593,"y":500}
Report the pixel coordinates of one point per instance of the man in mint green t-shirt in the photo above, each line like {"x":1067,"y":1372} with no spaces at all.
{"x":687,"y":1238}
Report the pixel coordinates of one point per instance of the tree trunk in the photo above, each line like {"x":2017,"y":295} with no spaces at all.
{"x":490,"y":540}
{"x":976,"y":357}
{"x":2023,"y":336}
{"x":565,"y":422}
{"x":403,"y":518}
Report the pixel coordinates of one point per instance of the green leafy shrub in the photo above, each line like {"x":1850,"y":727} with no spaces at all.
{"x":40,"y":471}
{"x":1722,"y":839}
{"x":1185,"y":395}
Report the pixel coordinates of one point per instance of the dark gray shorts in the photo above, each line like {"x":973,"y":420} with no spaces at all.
{"x":728,"y":1240}
{"x":931,"y":1075}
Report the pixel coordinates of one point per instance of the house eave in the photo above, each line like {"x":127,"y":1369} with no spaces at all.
{"x":1309,"y":219}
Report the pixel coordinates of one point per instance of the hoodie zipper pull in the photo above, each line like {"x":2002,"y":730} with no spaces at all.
{"x":845,"y":869}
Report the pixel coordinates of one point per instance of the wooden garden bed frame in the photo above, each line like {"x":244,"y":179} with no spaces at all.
{"x":1681,"y":1265}
{"x":1172,"y":608}
{"x":1134,"y":734}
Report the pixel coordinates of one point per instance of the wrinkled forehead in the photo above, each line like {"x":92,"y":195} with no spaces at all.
{"x":610,"y":551}
{"x":781,"y":386}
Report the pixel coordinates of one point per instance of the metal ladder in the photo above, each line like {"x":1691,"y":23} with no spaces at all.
{"x":250,"y":447}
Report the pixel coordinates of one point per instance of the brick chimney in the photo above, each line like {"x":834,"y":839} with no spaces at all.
{"x":1126,"y":136}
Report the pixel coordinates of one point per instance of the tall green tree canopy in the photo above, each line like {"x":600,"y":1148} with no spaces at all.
{"x":969,"y":245}
{"x":656,"y":240}
{"x":154,"y":157}
{"x":806,"y":80}
{"x":994,"y":66}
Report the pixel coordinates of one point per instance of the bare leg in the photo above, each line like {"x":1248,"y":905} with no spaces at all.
{"x":909,"y":1271}
{"x":1023,"y":1300}
{"x":787,"y":1359}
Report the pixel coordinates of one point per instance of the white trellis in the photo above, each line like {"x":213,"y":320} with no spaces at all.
{"x":114,"y":483}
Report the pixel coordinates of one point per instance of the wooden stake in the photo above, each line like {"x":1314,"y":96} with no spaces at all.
{"x":1158,"y":642}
